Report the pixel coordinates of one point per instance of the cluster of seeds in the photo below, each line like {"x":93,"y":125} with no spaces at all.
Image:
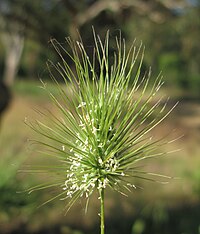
{"x":89,"y":166}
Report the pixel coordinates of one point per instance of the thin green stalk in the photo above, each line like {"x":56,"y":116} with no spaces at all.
{"x":102,"y":214}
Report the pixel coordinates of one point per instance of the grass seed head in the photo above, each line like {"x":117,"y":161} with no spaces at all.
{"x":103,"y":129}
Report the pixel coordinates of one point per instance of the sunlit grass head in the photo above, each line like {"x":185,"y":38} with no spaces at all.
{"x":102,"y":129}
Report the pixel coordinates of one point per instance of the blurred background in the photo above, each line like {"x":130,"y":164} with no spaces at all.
{"x":170,"y":31}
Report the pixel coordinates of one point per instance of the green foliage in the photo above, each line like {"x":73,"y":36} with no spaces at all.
{"x":34,"y":89}
{"x":138,"y":226}
{"x":8,"y":170}
{"x":173,"y":47}
{"x":173,"y":68}
{"x":194,"y":176}
{"x":13,"y":204}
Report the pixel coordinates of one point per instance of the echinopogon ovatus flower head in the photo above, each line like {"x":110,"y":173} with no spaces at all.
{"x":106,"y":109}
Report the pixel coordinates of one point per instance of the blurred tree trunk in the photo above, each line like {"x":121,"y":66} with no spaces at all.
{"x":12,"y":38}
{"x":13,"y":43}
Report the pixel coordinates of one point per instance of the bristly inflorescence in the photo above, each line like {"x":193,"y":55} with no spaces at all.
{"x":105,"y":122}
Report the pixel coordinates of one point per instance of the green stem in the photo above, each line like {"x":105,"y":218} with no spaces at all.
{"x":102,"y":215}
